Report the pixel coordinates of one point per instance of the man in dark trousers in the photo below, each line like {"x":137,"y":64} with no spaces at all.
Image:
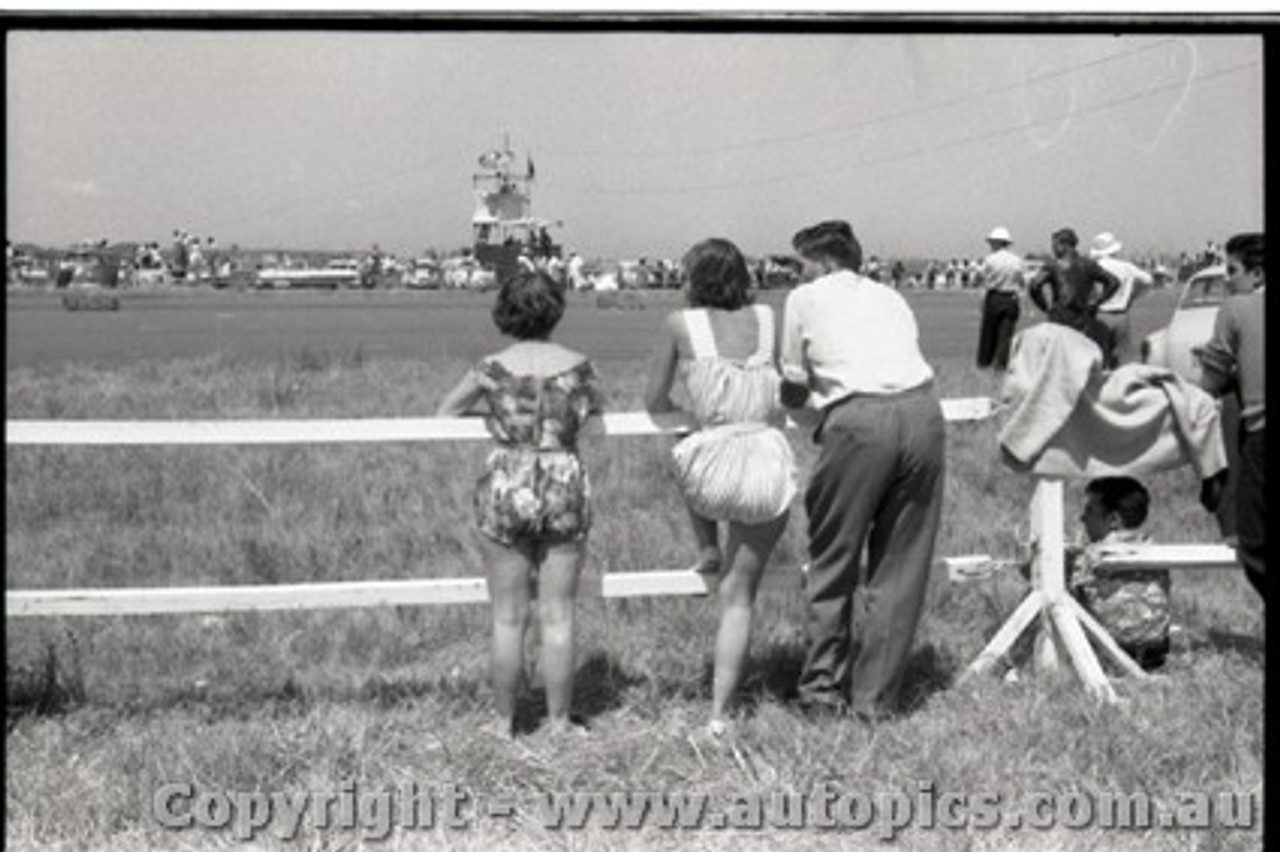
{"x":1001,"y":275}
{"x":1078,"y":285}
{"x":851,"y":352}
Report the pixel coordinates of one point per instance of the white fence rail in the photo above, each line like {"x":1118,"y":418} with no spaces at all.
{"x":372,"y":593}
{"x":355,"y":430}
{"x":308,"y":596}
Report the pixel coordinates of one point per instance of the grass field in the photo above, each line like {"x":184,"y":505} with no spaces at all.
{"x":103,"y":712}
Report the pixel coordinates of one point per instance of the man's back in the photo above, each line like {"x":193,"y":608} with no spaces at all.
{"x":1002,"y":270}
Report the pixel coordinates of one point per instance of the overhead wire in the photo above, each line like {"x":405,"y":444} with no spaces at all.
{"x":847,"y":127}
{"x":829,"y":169}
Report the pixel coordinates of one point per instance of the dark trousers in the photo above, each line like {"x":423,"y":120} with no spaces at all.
{"x":1231,"y":435}
{"x":877,"y":485}
{"x":1251,"y":508}
{"x":999,"y":319}
{"x":1117,"y":322}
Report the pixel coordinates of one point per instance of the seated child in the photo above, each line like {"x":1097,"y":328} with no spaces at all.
{"x":1133,"y":606}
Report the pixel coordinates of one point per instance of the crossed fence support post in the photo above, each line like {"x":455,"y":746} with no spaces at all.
{"x":1063,"y":620}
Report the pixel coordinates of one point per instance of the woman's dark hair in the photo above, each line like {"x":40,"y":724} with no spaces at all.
{"x":718,"y":275}
{"x":529,"y":305}
{"x":1123,"y":495}
{"x":832,"y":240}
{"x":1250,"y":248}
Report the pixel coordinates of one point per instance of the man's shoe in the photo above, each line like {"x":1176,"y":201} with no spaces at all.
{"x":823,"y":708}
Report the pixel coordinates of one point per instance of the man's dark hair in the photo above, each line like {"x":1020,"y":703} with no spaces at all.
{"x":529,"y":305}
{"x":1250,"y":248}
{"x":833,"y":240}
{"x":1123,"y":495}
{"x":1066,"y":235}
{"x":718,"y":275}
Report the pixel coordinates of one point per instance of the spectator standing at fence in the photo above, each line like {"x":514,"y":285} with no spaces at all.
{"x":850,"y":349}
{"x":1001,"y":274}
{"x":1114,"y":312}
{"x":1234,"y":361}
{"x":533,"y":501}
{"x":738,"y":468}
{"x":1078,"y":285}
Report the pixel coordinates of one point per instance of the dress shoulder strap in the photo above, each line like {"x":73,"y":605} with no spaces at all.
{"x":764,"y":319}
{"x":701,"y":340}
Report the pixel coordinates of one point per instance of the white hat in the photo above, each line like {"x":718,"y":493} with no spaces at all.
{"x":1000,"y":234}
{"x":1105,"y":245}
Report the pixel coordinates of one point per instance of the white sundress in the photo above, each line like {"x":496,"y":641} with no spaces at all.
{"x":738,"y":466}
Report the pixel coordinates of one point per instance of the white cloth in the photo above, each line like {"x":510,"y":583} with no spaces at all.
{"x":1069,"y":418}
{"x":1130,"y":276}
{"x":844,"y":334}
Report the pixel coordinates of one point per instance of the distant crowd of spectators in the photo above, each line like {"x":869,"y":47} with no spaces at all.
{"x":190,"y":259}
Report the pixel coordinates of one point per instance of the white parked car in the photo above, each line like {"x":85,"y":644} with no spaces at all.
{"x":348,"y":270}
{"x":423,"y":274}
{"x":1191,"y":325}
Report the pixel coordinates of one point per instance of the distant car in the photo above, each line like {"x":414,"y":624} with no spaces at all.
{"x":1191,"y":326}
{"x":149,"y":276}
{"x":778,"y":270}
{"x":329,"y":278}
{"x":423,"y":274}
{"x":349,"y":270}
{"x":27,"y":271}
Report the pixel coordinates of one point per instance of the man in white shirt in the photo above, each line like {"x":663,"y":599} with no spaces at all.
{"x":1001,"y":275}
{"x":850,"y":349}
{"x":1114,"y":312}
{"x":577,"y":278}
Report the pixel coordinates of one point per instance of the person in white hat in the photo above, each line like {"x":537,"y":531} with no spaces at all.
{"x":1114,"y":312}
{"x":1001,"y":274}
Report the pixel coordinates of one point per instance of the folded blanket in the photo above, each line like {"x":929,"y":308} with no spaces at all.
{"x":1069,"y":418}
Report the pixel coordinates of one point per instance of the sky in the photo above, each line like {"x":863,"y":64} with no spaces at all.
{"x":643,"y":142}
